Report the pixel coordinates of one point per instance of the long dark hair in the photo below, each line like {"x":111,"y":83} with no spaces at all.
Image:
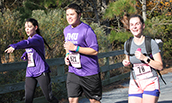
{"x":35,"y":23}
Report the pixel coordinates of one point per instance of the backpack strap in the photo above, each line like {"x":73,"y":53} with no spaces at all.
{"x":161,"y":76}
{"x":148,"y":46}
{"x":128,"y":46}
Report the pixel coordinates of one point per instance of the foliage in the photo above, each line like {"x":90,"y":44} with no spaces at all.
{"x":51,"y":25}
{"x":10,"y":30}
{"x":117,"y":39}
{"x":155,"y":7}
{"x":29,"y":5}
{"x":160,"y":27}
{"x":119,"y":36}
{"x":117,"y":8}
{"x":101,"y":37}
{"x":27,"y":8}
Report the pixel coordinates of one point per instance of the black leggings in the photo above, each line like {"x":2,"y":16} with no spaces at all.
{"x":45,"y":84}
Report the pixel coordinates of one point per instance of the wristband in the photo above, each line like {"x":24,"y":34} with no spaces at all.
{"x":77,"y":49}
{"x":67,"y":54}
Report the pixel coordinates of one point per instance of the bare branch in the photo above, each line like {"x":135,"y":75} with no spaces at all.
{"x":140,"y":1}
{"x":35,"y":4}
{"x":13,"y":2}
{"x":107,"y":27}
{"x":161,"y":24}
{"x":154,"y":8}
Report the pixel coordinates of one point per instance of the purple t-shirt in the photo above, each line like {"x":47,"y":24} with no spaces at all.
{"x":83,"y":36}
{"x":35,"y":55}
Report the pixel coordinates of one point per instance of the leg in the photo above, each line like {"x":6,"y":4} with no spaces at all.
{"x":74,"y":89}
{"x":30,"y":85}
{"x":152,"y":91}
{"x":92,"y":88}
{"x":133,"y":99}
{"x":135,"y":93}
{"x":45,"y":84}
{"x":150,"y":99}
{"x":94,"y":101}
{"x":73,"y":100}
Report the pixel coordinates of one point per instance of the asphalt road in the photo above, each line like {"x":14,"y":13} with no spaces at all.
{"x":120,"y":95}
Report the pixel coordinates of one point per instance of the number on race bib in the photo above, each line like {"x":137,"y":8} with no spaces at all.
{"x":142,"y":72}
{"x":74,"y":59}
{"x":31,"y":62}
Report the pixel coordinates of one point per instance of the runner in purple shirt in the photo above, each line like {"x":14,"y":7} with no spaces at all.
{"x":81,"y":56}
{"x":37,"y":69}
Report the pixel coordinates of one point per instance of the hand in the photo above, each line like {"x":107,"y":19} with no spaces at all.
{"x":126,"y":62}
{"x":67,"y":60}
{"x":9,"y":50}
{"x":69,"y":46}
{"x":139,"y":55}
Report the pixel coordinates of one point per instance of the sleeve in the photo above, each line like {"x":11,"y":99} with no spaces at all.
{"x":91,"y":39}
{"x":125,"y":52}
{"x":155,"y":47}
{"x":26,"y":43}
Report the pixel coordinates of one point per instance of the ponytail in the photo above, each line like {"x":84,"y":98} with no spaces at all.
{"x":38,"y":32}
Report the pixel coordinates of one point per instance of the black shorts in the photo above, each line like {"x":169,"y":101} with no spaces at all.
{"x":90,"y":85}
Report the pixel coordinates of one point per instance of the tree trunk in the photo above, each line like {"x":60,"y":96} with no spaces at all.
{"x":144,"y":10}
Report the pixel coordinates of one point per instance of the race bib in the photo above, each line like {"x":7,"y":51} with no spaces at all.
{"x":143,"y":71}
{"x":31,"y":62}
{"x":74,"y":59}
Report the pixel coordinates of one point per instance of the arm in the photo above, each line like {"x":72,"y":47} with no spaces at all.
{"x":34,"y":41}
{"x":156,"y":63}
{"x":84,"y":50}
{"x":91,"y":41}
{"x":9,"y":50}
{"x":66,"y":59}
{"x":126,"y":61}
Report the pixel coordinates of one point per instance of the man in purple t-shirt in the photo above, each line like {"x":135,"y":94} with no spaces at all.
{"x":81,"y":56}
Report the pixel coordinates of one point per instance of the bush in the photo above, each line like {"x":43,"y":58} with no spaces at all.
{"x":117,"y":39}
{"x":160,"y":27}
{"x":51,"y":25}
{"x":10,"y":33}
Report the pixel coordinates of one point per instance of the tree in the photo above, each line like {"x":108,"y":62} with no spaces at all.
{"x":144,"y":9}
{"x":119,"y":11}
{"x":10,"y":31}
{"x":155,"y":7}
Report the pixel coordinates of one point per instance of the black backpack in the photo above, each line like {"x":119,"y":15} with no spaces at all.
{"x":148,"y":50}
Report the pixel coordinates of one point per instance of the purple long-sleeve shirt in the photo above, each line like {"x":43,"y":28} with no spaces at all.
{"x":35,"y":54}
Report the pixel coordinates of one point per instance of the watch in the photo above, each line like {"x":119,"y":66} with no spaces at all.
{"x":148,"y":60}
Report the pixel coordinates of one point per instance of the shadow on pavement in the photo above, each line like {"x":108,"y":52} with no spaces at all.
{"x":122,"y":101}
{"x":169,"y":101}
